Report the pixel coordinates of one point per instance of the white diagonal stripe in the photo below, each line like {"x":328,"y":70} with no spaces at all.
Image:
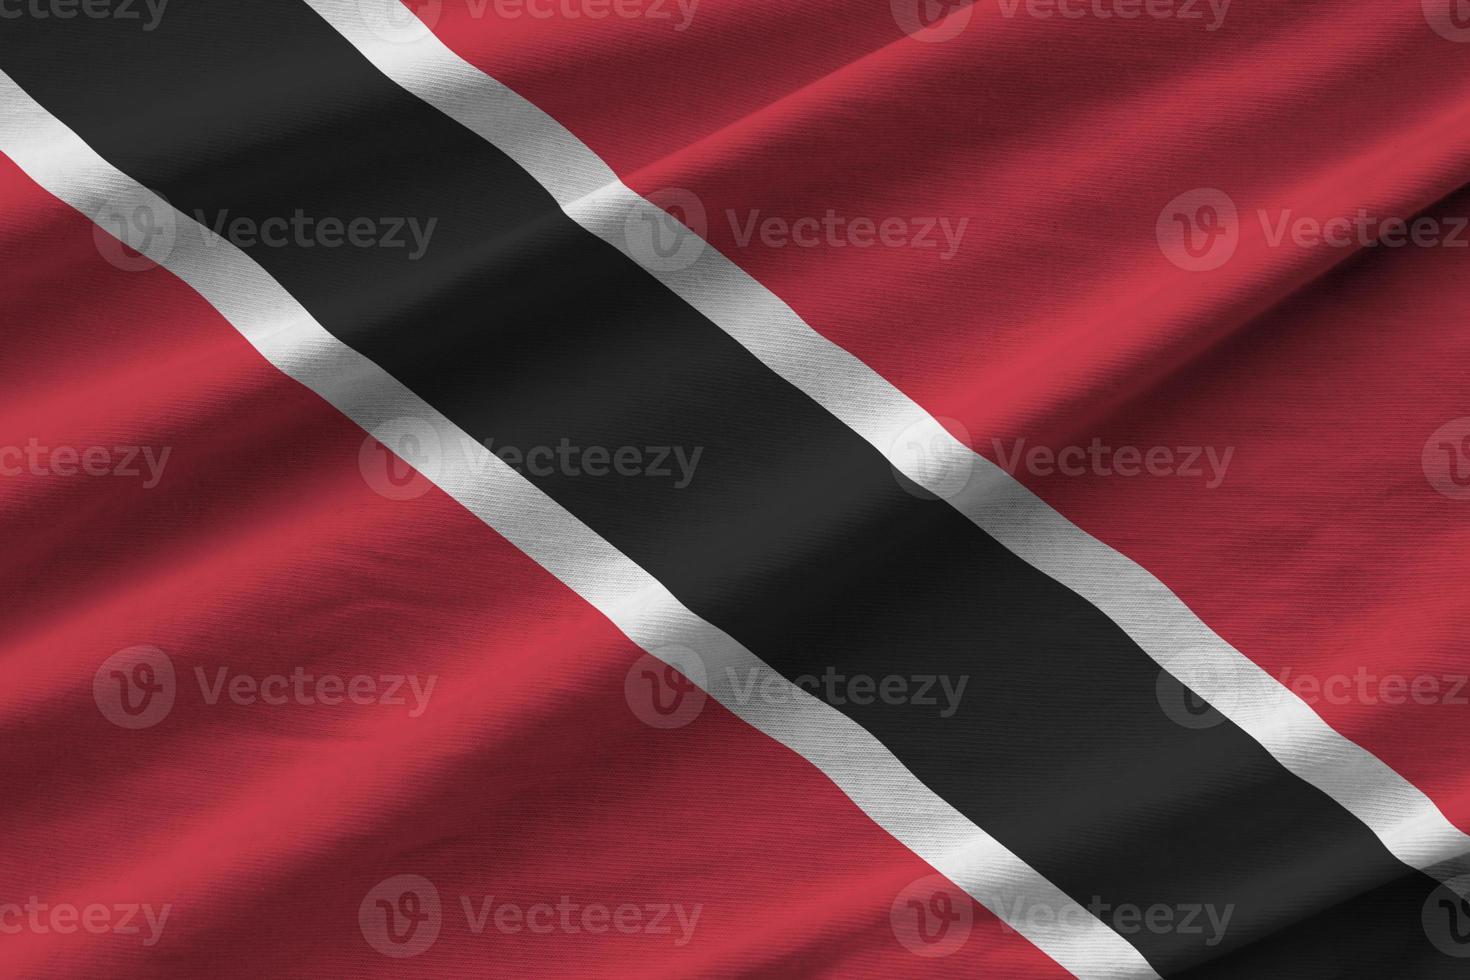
{"x":291,"y":339}
{"x":1408,"y":823}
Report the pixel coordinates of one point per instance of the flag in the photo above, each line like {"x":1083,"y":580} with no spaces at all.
{"x":675,"y":488}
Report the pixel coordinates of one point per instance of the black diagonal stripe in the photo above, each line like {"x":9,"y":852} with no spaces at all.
{"x":794,"y":536}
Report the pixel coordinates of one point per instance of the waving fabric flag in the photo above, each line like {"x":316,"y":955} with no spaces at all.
{"x":727,"y":488}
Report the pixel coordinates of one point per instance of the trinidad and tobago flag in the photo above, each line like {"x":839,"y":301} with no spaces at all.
{"x":735,"y":488}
